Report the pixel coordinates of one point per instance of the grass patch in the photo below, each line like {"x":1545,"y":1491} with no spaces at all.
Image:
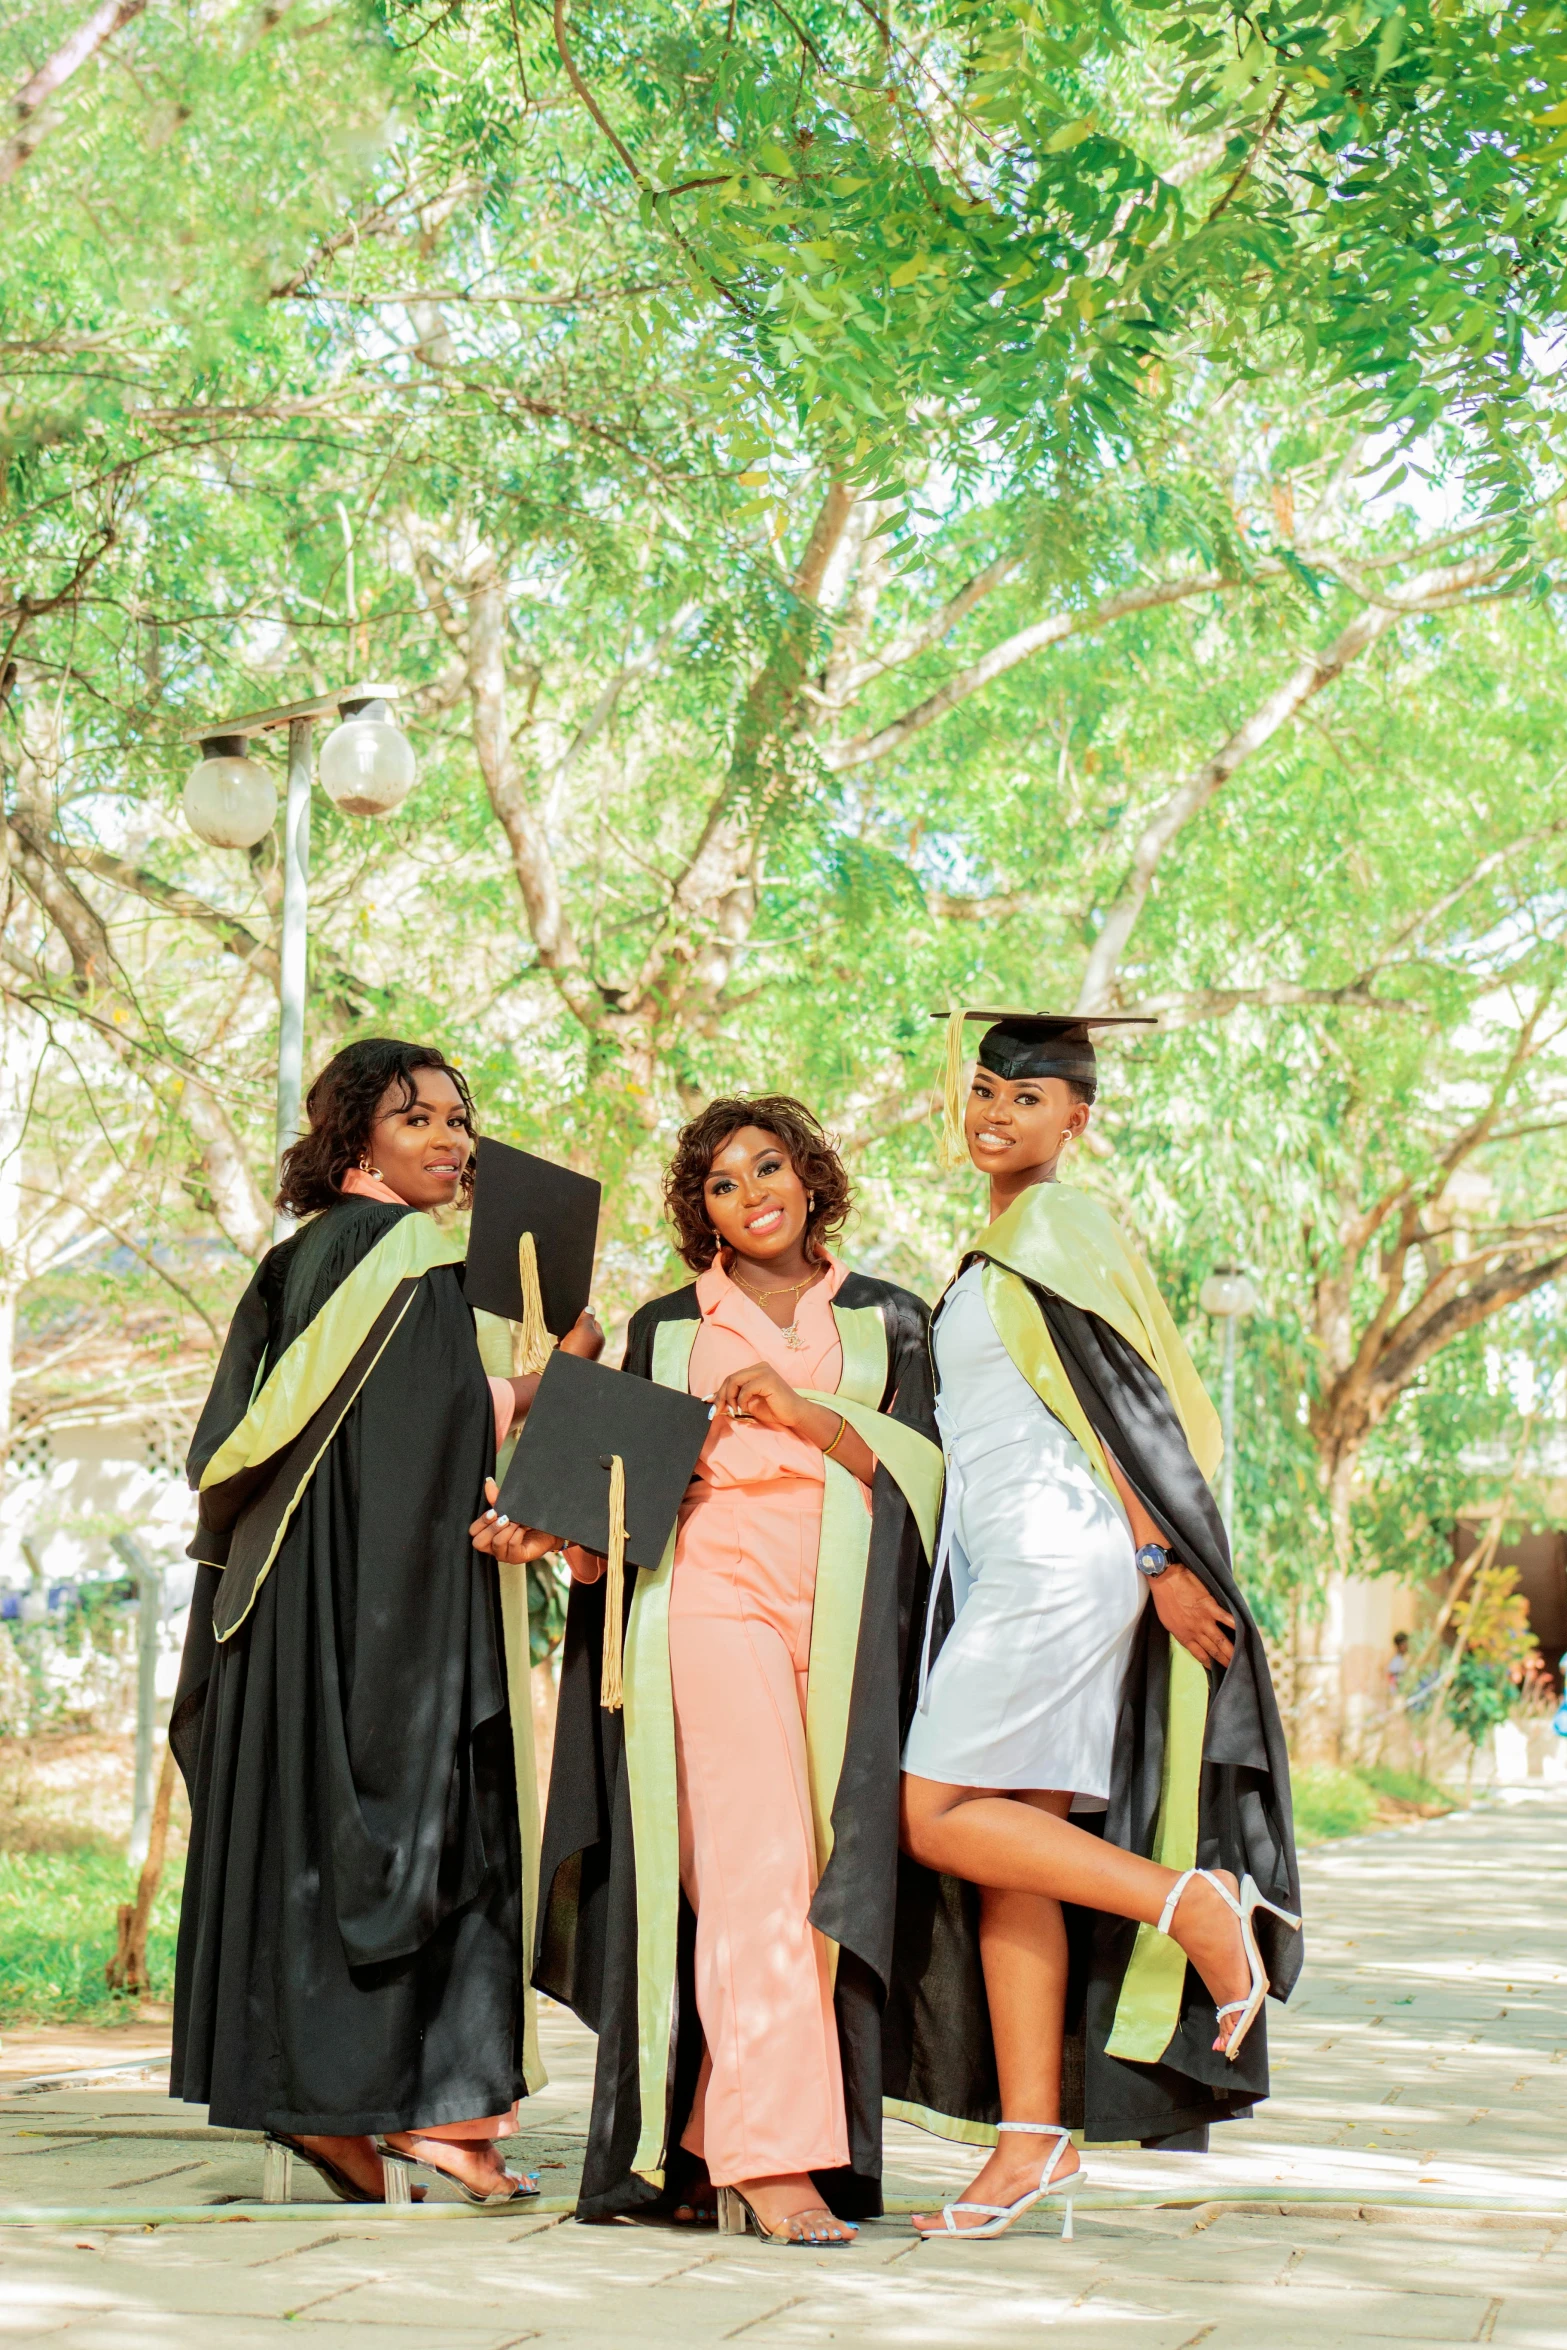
{"x":1331,"y":1803}
{"x":1406,"y":1788}
{"x":57,"y":1935}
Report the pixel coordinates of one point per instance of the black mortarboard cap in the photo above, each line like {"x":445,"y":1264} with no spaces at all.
{"x":515,"y":1193}
{"x":1024,"y":1044}
{"x":583,"y":1417}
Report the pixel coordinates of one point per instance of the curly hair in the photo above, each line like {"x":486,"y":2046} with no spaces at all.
{"x":341,"y":1108}
{"x":811,"y":1154}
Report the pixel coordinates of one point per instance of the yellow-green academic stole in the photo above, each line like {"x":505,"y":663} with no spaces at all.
{"x":844,"y":1550}
{"x":1072,"y":1246}
{"x":297,"y":1385}
{"x":300,"y":1405}
{"x":495,"y":1353}
{"x":1149,"y":2006}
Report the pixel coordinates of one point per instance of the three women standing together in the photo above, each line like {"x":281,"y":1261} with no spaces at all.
{"x":773,"y":1943}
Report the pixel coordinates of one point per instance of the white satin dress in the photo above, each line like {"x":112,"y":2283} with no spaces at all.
{"x":1027,"y":1686}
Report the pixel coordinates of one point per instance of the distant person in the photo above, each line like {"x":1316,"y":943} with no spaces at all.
{"x":1397,"y":1666}
{"x":350,"y":1947}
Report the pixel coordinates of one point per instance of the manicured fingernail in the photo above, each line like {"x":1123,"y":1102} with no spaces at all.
{"x":489,"y":1513}
{"x":503,"y":1521}
{"x":712,"y":1411}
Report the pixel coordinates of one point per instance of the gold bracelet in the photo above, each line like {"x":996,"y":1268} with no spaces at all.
{"x":838,"y":1439}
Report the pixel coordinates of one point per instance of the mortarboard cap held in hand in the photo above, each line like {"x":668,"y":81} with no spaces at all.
{"x":604,"y":1460}
{"x":531,"y":1245}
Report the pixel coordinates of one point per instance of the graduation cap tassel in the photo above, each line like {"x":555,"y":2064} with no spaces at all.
{"x":954,"y":1149}
{"x":531,"y":1343}
{"x":612,"y":1683}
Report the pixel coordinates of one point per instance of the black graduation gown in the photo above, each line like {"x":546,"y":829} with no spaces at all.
{"x":587,"y":1955}
{"x":350,"y":1938}
{"x":939,"y":2055}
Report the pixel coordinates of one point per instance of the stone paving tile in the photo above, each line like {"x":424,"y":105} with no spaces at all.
{"x":1428,"y":2043}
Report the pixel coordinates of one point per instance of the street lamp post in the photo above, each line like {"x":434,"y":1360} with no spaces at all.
{"x":1226,"y":1295}
{"x":367,"y":768}
{"x":292,"y":946}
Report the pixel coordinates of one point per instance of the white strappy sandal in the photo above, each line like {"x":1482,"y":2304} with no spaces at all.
{"x":1000,"y":2216}
{"x":1245,"y":1909}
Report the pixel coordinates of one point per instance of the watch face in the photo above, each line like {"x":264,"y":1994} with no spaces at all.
{"x":1152,"y":1559}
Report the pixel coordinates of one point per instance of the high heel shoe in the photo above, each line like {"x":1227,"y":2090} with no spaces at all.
{"x":1000,"y":2216}
{"x":1245,"y":1909}
{"x":277,"y":2180}
{"x":737,"y":2215}
{"x":511,"y":2187}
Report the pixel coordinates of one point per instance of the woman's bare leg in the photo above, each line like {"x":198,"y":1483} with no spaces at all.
{"x":1022,"y":1940}
{"x":983,"y":1836}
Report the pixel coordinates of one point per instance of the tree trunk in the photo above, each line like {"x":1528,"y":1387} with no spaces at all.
{"x":1319,"y":1678}
{"x":127,"y":1969}
{"x":22,"y":1042}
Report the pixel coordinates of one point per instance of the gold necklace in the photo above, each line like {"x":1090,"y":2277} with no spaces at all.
{"x":791,"y":1335}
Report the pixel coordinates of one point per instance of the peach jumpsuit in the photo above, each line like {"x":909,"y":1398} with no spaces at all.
{"x":770,"y":2097}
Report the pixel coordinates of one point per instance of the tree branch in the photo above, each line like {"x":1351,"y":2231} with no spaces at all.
{"x":69,"y":58}
{"x":1430,"y":592}
{"x":862,"y":748}
{"x":532,"y":859}
{"x":233,"y":935}
{"x":930,"y":633}
{"x":1186,"y":1009}
{"x":716,"y":889}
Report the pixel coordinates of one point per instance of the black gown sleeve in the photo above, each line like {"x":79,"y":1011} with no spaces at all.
{"x":583,"y":1921}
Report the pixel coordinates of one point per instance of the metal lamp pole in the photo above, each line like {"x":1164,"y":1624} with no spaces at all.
{"x":1227,"y":1422}
{"x":293,"y":946}
{"x":230,"y":802}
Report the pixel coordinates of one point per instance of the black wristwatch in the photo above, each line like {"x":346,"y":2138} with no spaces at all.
{"x":1152,"y":1559}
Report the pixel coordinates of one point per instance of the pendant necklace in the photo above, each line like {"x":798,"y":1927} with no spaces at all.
{"x":791,"y":1336}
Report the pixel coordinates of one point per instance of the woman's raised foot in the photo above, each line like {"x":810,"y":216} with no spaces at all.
{"x":1209,"y":1932}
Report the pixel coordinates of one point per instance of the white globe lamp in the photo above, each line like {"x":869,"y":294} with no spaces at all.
{"x":367,"y":764}
{"x":1227,"y":1292}
{"x":230,"y":799}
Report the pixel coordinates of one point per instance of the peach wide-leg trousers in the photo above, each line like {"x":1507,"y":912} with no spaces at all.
{"x":770,"y":2099}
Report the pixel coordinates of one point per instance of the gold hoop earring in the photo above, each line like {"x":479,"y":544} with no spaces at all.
{"x":365,"y":1167}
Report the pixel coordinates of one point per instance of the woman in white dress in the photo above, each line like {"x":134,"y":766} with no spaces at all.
{"x":1085,"y":1670}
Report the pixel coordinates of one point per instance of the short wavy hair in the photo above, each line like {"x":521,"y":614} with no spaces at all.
{"x":341,"y":1108}
{"x":799,"y":1132}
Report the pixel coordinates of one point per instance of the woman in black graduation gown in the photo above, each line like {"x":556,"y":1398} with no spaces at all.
{"x":719,"y":1860}
{"x":1085,"y":1652}
{"x":350,"y":1951}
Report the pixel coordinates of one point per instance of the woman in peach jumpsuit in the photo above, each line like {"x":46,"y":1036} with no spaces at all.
{"x":769,"y":2102}
{"x":719,"y":1863}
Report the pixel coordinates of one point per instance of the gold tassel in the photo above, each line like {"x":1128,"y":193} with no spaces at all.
{"x":954,"y":1148}
{"x":531,"y":1343}
{"x":612,"y":1682}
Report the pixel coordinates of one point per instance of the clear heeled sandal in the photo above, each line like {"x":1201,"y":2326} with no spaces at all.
{"x":1245,"y":1908}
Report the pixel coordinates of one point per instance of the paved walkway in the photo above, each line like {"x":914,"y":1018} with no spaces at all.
{"x":1408,"y":2183}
